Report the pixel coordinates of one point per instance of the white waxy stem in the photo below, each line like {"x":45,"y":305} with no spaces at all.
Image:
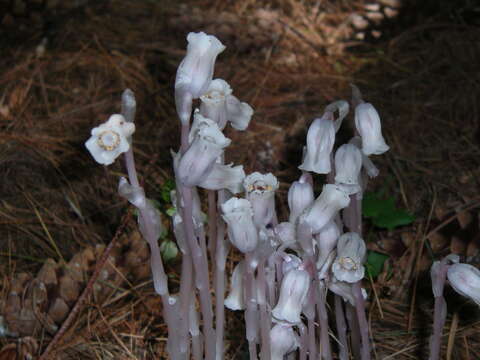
{"x":134,"y":194}
{"x":351,"y":251}
{"x":239,"y":113}
{"x":110,"y":139}
{"x":465,"y":279}
{"x":214,"y":102}
{"x":293,"y":293}
{"x":283,"y":340}
{"x":300,"y":196}
{"x":206,"y":146}
{"x":348,"y":163}
{"x":235,"y":299}
{"x":324,"y":265}
{"x":260,"y":191}
{"x":242,"y":232}
{"x":320,"y":140}
{"x":331,"y":200}
{"x":367,"y":122}
{"x":195,"y":72}
{"x":438,"y":273}
{"x":368,"y":165}
{"x":224,"y":177}
{"x":345,"y":290}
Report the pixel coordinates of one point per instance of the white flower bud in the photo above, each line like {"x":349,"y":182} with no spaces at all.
{"x":327,"y":241}
{"x":348,"y":265}
{"x":214,"y":102}
{"x":345,"y":290}
{"x":348,"y":163}
{"x":331,"y":200}
{"x":134,"y":194}
{"x":238,"y":113}
{"x":465,"y":279}
{"x":260,"y":191}
{"x":300,"y":196}
{"x":283,"y":340}
{"x":224,"y":177}
{"x":367,"y":122}
{"x":110,"y":139}
{"x":235,"y":299}
{"x":320,"y":140}
{"x":293,"y":293}
{"x":195,"y":72}
{"x":237,"y":213}
{"x":207,"y":145}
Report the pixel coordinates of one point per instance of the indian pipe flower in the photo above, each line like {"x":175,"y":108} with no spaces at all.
{"x":235,"y":299}
{"x":320,"y":140}
{"x":260,"y":191}
{"x":110,"y":139}
{"x":195,"y":72}
{"x":239,"y":113}
{"x":285,"y":233}
{"x":367,"y":122}
{"x":206,"y":146}
{"x":326,"y":241}
{"x":465,"y":279}
{"x":331,"y":200}
{"x":345,"y":290}
{"x":238,"y":215}
{"x":351,"y":251}
{"x":300,"y":196}
{"x":283,"y":340}
{"x":293,"y":293}
{"x":348,"y":163}
{"x":224,"y":177}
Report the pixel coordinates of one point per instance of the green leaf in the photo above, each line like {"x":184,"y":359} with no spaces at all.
{"x":373,"y":205}
{"x":393,"y":219}
{"x":375,"y":262}
{"x":171,"y":211}
{"x":165,"y":189}
{"x":169,"y":250}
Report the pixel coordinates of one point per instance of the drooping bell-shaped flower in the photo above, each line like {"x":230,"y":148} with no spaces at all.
{"x":283,"y":340}
{"x":235,"y":299}
{"x":285,"y":233}
{"x":207,"y":144}
{"x":320,"y":140}
{"x":239,"y":113}
{"x":326,"y":241}
{"x":300,"y":196}
{"x":260,"y":191}
{"x":224,"y":177}
{"x":465,"y":279}
{"x":331,"y":200}
{"x":293,"y":293}
{"x":214,"y":102}
{"x":242,"y":232}
{"x":345,"y":290}
{"x":351,"y":251}
{"x":195,"y":72}
{"x":367,"y":122}
{"x":110,"y":139}
{"x":290,"y":262}
{"x":370,"y":168}
{"x":348,"y":163}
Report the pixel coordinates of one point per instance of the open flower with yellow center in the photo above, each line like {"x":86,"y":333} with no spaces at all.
{"x":110,"y":139}
{"x":351,"y":251}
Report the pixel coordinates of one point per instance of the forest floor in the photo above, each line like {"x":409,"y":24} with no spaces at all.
{"x":288,"y":60}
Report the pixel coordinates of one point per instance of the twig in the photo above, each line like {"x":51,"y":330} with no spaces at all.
{"x":88,"y":289}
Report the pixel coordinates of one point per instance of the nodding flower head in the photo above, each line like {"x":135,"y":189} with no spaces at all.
{"x":224,"y":177}
{"x":293,"y":293}
{"x":214,"y":102}
{"x":235,"y":299}
{"x":110,"y":139}
{"x":331,"y":200}
{"x":320,"y":140}
{"x":348,"y":265}
{"x":348,"y":163}
{"x":345,"y":290}
{"x":243,"y":234}
{"x":300,"y":196}
{"x":465,"y":279}
{"x":207,"y":144}
{"x":260,"y":191}
{"x":367,"y":122}
{"x":283,"y":340}
{"x":239,"y":113}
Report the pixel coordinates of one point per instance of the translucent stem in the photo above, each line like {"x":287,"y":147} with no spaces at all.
{"x":341,"y":328}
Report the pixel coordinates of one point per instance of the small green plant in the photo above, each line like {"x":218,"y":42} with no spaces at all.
{"x":374,"y":263}
{"x":383,"y":213}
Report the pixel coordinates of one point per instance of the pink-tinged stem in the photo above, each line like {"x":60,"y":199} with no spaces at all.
{"x":212,"y":222}
{"x":201,"y":273}
{"x":303,"y":342}
{"x":220,"y":251}
{"x":251,"y":321}
{"x":439,"y":312}
{"x":312,"y":345}
{"x":265,"y":318}
{"x":341,"y":328}
{"x":354,"y":330}
{"x":186,"y":293}
{"x":362,"y":320}
{"x":326,"y":350}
